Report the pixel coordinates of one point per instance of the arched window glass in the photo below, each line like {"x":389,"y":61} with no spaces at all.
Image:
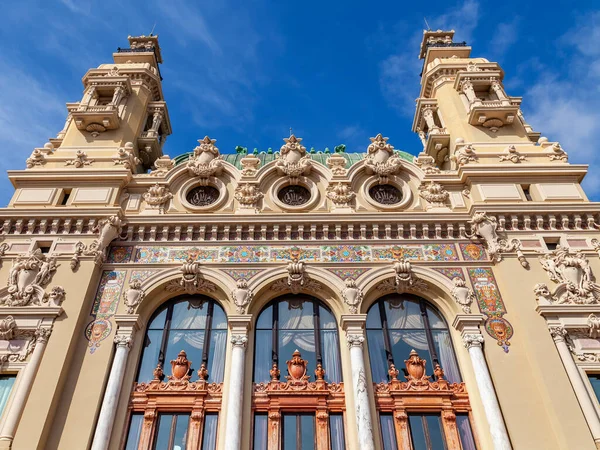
{"x":197,"y":325}
{"x":399,"y":323}
{"x":301,"y":323}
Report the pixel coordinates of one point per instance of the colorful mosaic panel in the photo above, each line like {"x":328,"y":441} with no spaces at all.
{"x":120,"y":254}
{"x":141,"y":275}
{"x":451,"y":272}
{"x":239,"y":274}
{"x":490,"y":303}
{"x":149,"y":255}
{"x":244,"y":253}
{"x":195,"y":253}
{"x":304,"y":253}
{"x":345,"y":253}
{"x":397,"y":252}
{"x":104,"y":307}
{"x":473,"y":252}
{"x":344,"y":274}
{"x":439,"y":252}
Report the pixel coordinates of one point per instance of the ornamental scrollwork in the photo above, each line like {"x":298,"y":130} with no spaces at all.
{"x":109,"y":229}
{"x":27,"y":278}
{"x":191,"y":280}
{"x":157,"y":197}
{"x":352,"y":295}
{"x":242,"y":296}
{"x":133,"y":296}
{"x":81,"y":160}
{"x":512,"y":155}
{"x":573,"y":275}
{"x":248,"y":194}
{"x":462,"y":294}
{"x":340,"y":194}
{"x":125,"y":157}
{"x":434,"y":193}
{"x":465,"y":155}
{"x":162,"y":166}
{"x":292,"y":159}
{"x":206,"y":161}
{"x":381,"y":159}
{"x":485,"y":227}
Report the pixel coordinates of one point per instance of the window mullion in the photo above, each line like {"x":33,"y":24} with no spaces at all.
{"x":207,"y":330}
{"x":275,"y":337}
{"x":426,"y":432}
{"x":386,"y":335}
{"x":165,"y":336}
{"x":317,"y":330}
{"x":434,"y":356}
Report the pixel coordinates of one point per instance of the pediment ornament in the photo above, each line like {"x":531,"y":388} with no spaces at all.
{"x":292,"y":159}
{"x":381,"y":159}
{"x":206,"y":161}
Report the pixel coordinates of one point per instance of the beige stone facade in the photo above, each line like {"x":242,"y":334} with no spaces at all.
{"x":487,"y":230}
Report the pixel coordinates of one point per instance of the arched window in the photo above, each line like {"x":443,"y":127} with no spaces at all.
{"x":415,"y":372}
{"x":186,"y":340}
{"x":297,"y":323}
{"x":297,"y":336}
{"x":399,"y":323}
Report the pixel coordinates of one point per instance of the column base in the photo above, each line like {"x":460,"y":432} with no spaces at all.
{"x":5,"y":443}
{"x":597,"y":441}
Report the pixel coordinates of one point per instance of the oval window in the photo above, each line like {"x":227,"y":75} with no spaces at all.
{"x":294,"y":195}
{"x":202,"y":195}
{"x":386,"y":194}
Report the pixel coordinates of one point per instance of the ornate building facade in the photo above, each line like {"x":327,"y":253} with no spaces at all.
{"x":300,"y":299}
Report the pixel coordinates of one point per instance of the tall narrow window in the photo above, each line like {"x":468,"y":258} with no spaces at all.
{"x":298,"y":432}
{"x":595,"y":382}
{"x":6,"y":385}
{"x":426,"y":432}
{"x":336,"y":432}
{"x":464,"y":430}
{"x":171,"y":433}
{"x":398,"y":323}
{"x":209,"y":440}
{"x":196,"y":325}
{"x":388,"y":435}
{"x":260,"y":432}
{"x":135,"y":431}
{"x":297,"y":323}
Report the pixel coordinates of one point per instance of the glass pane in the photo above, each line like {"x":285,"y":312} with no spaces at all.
{"x":6,"y":384}
{"x":181,"y":427}
{"x":163,"y":435}
{"x":435,"y":320}
{"x":150,"y":355}
{"x":464,"y":429}
{"x":405,"y":341}
{"x":260,"y":432}
{"x":209,"y":440}
{"x":216,"y":355}
{"x":189,"y":316}
{"x":295,"y":315}
{"x":191,"y":342}
{"x":331,"y":356}
{"x":336,"y":432}
{"x":373,"y":317}
{"x":417,"y":433}
{"x":595,"y":382}
{"x":263,"y":356}
{"x":158,"y":323}
{"x":443,"y":347}
{"x":307,"y":432}
{"x":289,"y":432}
{"x":135,"y":431}
{"x":388,"y":434}
{"x":327,"y":321}
{"x":436,"y":434}
{"x":377,"y":356}
{"x":265,"y":320}
{"x":219,"y":319}
{"x":403,"y":314}
{"x":304,"y":341}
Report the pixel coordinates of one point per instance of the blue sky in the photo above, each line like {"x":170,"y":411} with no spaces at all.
{"x":336,"y":72}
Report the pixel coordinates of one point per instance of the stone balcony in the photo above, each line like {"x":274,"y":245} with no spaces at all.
{"x":94,"y":118}
{"x":494,"y":114}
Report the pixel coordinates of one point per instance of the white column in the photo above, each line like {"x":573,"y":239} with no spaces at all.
{"x":500,"y":439}
{"x":24,"y":387}
{"x":112,"y":393}
{"x":239,"y":326}
{"x":559,"y":335}
{"x":354,"y":326}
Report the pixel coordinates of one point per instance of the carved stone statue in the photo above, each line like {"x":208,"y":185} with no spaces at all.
{"x":352,"y":295}
{"x":133,"y":296}
{"x":157,"y":197}
{"x":109,"y":229}
{"x":292,"y":159}
{"x":27,"y":278}
{"x":207,"y":161}
{"x":462,"y":294}
{"x":242,"y":296}
{"x":572,"y":272}
{"x":381,"y":160}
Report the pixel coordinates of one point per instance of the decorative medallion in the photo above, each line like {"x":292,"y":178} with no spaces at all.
{"x":386,"y":194}
{"x":294,"y":195}
{"x":202,"y":195}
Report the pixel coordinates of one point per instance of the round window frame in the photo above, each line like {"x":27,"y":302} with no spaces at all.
{"x":394,"y":181}
{"x":193,"y":183}
{"x":301,"y":181}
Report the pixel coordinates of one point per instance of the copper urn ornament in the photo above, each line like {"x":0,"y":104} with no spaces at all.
{"x":180,"y":367}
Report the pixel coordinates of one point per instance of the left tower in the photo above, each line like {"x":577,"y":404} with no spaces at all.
{"x":64,"y":213}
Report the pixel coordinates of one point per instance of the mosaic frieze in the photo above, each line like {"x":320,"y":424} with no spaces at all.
{"x":242,"y":274}
{"x":451,"y":272}
{"x":348,"y":273}
{"x":141,"y":275}
{"x":472,"y":252}
{"x":104,"y":307}
{"x":155,"y":254}
{"x":491,"y":305}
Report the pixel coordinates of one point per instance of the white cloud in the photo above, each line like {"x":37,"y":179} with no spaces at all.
{"x":463,"y":19}
{"x":506,"y":34}
{"x":564,"y":106}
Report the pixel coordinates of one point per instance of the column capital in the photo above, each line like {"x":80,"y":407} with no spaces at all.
{"x":355,"y":340}
{"x":239,"y":340}
{"x":123,"y":340}
{"x":468,"y":323}
{"x":239,"y":324}
{"x":42,"y":334}
{"x":353,"y":322}
{"x":472,"y":340}
{"x":559,"y":334}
